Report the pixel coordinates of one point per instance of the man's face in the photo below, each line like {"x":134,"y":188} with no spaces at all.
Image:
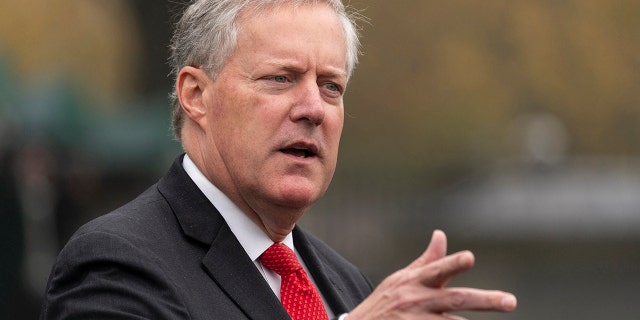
{"x":275,"y":112}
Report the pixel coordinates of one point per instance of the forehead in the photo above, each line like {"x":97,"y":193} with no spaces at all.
{"x":310,"y":30}
{"x":276,"y":11}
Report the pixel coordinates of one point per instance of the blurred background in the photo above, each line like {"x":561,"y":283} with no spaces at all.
{"x":514,"y":126}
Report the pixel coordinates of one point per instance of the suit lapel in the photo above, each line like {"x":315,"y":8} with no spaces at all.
{"x":325,"y":277}
{"x":231,"y":268}
{"x":226,"y":261}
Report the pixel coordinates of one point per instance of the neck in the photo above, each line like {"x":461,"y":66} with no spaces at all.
{"x":275,"y":220}
{"x":276,"y":223}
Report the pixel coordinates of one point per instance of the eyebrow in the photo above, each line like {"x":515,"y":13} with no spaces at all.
{"x":293,"y":66}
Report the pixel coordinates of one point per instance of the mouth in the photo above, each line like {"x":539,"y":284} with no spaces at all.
{"x":301,"y":151}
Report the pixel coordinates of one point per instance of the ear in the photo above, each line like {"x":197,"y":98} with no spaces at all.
{"x":190,"y":86}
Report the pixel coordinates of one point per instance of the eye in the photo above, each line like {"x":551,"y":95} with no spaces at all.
{"x":332,"y":86}
{"x":280,"y":79}
{"x":332,"y":89}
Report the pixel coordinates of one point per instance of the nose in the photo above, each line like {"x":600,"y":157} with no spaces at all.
{"x":308,"y":105}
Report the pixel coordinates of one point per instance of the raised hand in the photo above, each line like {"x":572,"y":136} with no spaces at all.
{"x":418,"y":291}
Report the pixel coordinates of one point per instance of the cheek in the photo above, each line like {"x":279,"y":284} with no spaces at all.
{"x":335,"y":124}
{"x":248,"y":131}
{"x":233,"y":119}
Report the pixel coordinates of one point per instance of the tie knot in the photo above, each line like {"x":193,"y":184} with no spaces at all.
{"x":280,"y":259}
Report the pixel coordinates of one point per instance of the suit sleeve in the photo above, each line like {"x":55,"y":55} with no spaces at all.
{"x":99,"y":275}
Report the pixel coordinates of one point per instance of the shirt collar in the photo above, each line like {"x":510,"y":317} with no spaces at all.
{"x":251,"y":237}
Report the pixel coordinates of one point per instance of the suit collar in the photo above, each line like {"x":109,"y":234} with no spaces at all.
{"x":252,"y":238}
{"x":197,"y":217}
{"x":226,"y":261}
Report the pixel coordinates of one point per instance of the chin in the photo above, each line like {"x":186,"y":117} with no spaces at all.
{"x":299,"y":196}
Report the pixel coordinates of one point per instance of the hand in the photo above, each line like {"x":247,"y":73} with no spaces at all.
{"x":418,"y":291}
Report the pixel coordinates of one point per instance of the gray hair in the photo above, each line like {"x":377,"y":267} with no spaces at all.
{"x":206,"y":35}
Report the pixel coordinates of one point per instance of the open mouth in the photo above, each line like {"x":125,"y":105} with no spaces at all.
{"x":299,"y":152}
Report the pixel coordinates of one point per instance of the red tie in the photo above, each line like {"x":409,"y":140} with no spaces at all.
{"x":297,"y":293}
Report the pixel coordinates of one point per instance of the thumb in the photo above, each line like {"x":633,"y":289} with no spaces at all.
{"x":436,"y":250}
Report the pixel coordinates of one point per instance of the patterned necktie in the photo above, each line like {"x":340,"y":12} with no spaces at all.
{"x":297,"y":293}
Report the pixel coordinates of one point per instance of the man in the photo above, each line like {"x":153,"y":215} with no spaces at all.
{"x":259,"y":111}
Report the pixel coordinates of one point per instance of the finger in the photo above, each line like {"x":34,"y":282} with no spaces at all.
{"x":469,"y":299}
{"x":439,"y":273}
{"x":437,"y":249}
{"x":453,"y":317}
{"x":445,"y":316}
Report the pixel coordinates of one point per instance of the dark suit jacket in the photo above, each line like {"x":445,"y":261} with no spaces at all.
{"x":169,"y":254}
